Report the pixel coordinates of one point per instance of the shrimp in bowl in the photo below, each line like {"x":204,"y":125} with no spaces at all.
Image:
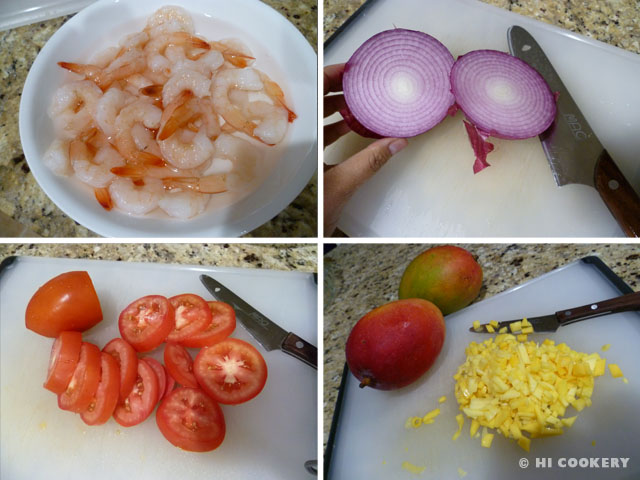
{"x":139,"y":123}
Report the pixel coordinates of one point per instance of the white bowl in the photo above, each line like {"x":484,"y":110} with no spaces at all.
{"x":290,"y":60}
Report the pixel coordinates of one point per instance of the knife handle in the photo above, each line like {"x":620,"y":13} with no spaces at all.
{"x":301,"y":349}
{"x":623,"y":303}
{"x":618,"y":194}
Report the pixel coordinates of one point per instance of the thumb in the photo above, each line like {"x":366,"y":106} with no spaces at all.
{"x":341,"y":181}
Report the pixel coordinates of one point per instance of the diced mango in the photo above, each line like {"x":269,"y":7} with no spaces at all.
{"x":569,"y":421}
{"x":522,"y":337}
{"x":476,"y":325}
{"x":493,"y":323}
{"x":615,"y":370}
{"x":474,"y":427}
{"x":415,"y":469}
{"x":625,"y":380}
{"x":431,"y":415}
{"x":490,"y":328}
{"x":503,"y":330}
{"x":487,"y":438}
{"x":528,"y":329}
{"x":460,"y":420}
{"x":515,"y":327}
{"x":461,"y":473}
{"x":524,"y":443}
{"x":606,"y":347}
{"x":442,"y":399}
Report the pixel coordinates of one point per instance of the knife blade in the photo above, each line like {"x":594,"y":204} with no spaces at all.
{"x":270,"y":335}
{"x":572,"y":148}
{"x":550,"y":323}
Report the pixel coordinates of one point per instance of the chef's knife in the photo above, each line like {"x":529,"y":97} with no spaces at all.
{"x":574,"y":152}
{"x":270,"y":335}
{"x":550,"y":323}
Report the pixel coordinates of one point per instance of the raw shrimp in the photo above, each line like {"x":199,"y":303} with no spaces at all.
{"x":137,"y":112}
{"x":234,"y":51}
{"x":275,"y":93}
{"x":93,"y":170}
{"x":183,"y":80}
{"x":130,"y":63}
{"x":188,"y":154}
{"x":158,"y":45}
{"x":73,"y":108}
{"x":194,"y":113}
{"x":134,"y":199}
{"x":223,"y":82}
{"x":145,"y":139}
{"x":104,"y":57}
{"x":273,"y":122}
{"x":183,"y":204}
{"x":169,"y":19}
{"x":108,"y":108}
{"x":206,"y":64}
{"x":244,"y":156}
{"x":57,"y":158}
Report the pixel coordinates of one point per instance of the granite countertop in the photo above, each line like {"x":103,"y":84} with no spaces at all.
{"x":289,"y":257}
{"x":616,"y":22}
{"x":20,"y":196}
{"x":354,"y":284}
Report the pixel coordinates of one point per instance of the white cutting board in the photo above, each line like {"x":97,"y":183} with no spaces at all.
{"x":269,"y":437}
{"x":429,"y":189}
{"x":372,"y":443}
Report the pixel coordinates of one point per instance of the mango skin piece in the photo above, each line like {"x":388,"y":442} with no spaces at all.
{"x":446,"y":275}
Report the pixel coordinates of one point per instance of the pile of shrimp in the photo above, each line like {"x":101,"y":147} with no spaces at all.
{"x":165,"y":119}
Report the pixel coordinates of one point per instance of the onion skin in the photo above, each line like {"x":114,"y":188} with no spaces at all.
{"x":396,"y":84}
{"x":480,"y":146}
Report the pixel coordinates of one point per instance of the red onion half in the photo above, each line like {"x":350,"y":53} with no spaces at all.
{"x":397,"y":83}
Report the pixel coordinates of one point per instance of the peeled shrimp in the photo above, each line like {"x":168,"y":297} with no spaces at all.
{"x":183,"y":204}
{"x":137,"y":112}
{"x":273,"y":122}
{"x":244,"y":156}
{"x":90,"y":169}
{"x":189,"y":154}
{"x":234,"y":51}
{"x":57,"y":158}
{"x":183,"y":80}
{"x":73,"y":107}
{"x":169,"y":19}
{"x":145,"y":140}
{"x":108,"y":108}
{"x":224,"y":81}
{"x":134,"y":199}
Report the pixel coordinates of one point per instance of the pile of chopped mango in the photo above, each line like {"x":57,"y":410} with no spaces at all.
{"x":523,"y":388}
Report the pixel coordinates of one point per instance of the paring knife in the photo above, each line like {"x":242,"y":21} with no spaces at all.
{"x":270,"y":335}
{"x":574,"y":152}
{"x":550,"y":323}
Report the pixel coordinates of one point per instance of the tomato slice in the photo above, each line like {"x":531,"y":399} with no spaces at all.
{"x":141,"y":401}
{"x":161,"y":374}
{"x":146,"y":322}
{"x":66,"y":302}
{"x":223,"y":323}
{"x":104,"y":402}
{"x":192,"y":316}
{"x":65,"y":354}
{"x":191,"y":420}
{"x":231,"y":371}
{"x":171,"y":383}
{"x":84,"y":382}
{"x":127,"y":360}
{"x":180,"y":365}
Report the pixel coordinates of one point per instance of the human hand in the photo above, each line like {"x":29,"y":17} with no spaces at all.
{"x":341,"y":181}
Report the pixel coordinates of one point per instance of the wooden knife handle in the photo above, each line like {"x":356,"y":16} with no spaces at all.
{"x":301,"y":349}
{"x":618,"y":194}
{"x":623,"y":303}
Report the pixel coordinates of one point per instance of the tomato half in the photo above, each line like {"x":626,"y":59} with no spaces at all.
{"x":141,"y":401}
{"x":146,"y":322}
{"x":191,"y":420}
{"x":223,"y":323}
{"x":84,"y":382}
{"x":65,"y":354}
{"x":192,"y":316}
{"x":161,"y":374}
{"x":66,"y":302}
{"x":104,"y":402}
{"x":180,"y":365}
{"x":127,"y":360}
{"x":231,"y":371}
{"x":171,"y":383}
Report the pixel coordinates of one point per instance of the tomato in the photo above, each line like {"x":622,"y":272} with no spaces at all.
{"x":191,"y":420}
{"x":146,"y":322}
{"x":161,"y":374}
{"x":170,"y":384}
{"x":66,"y":302}
{"x":84,"y":382}
{"x":231,"y":371}
{"x":127,"y":360}
{"x":192,"y":316}
{"x":65,"y":354}
{"x":180,"y":365}
{"x":104,"y":402}
{"x":141,"y":401}
{"x":223,"y":323}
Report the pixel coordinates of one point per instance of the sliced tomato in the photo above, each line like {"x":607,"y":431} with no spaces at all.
{"x":161,"y":374}
{"x":127,"y":360}
{"x":104,"y":402}
{"x":66,"y":302}
{"x":65,"y":354}
{"x":180,"y":365}
{"x":141,"y":401}
{"x":191,"y":420}
{"x":231,"y":371}
{"x":146,"y":322}
{"x":171,"y":383}
{"x":223,"y":323}
{"x":192,"y":316}
{"x":84,"y":382}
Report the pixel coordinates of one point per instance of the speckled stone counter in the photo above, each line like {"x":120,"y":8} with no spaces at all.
{"x":268,"y":256}
{"x":20,"y":196}
{"x":359,"y":278}
{"x":616,"y":22}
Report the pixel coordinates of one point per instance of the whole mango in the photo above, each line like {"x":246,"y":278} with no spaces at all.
{"x":446,"y":275}
{"x":395,"y":344}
